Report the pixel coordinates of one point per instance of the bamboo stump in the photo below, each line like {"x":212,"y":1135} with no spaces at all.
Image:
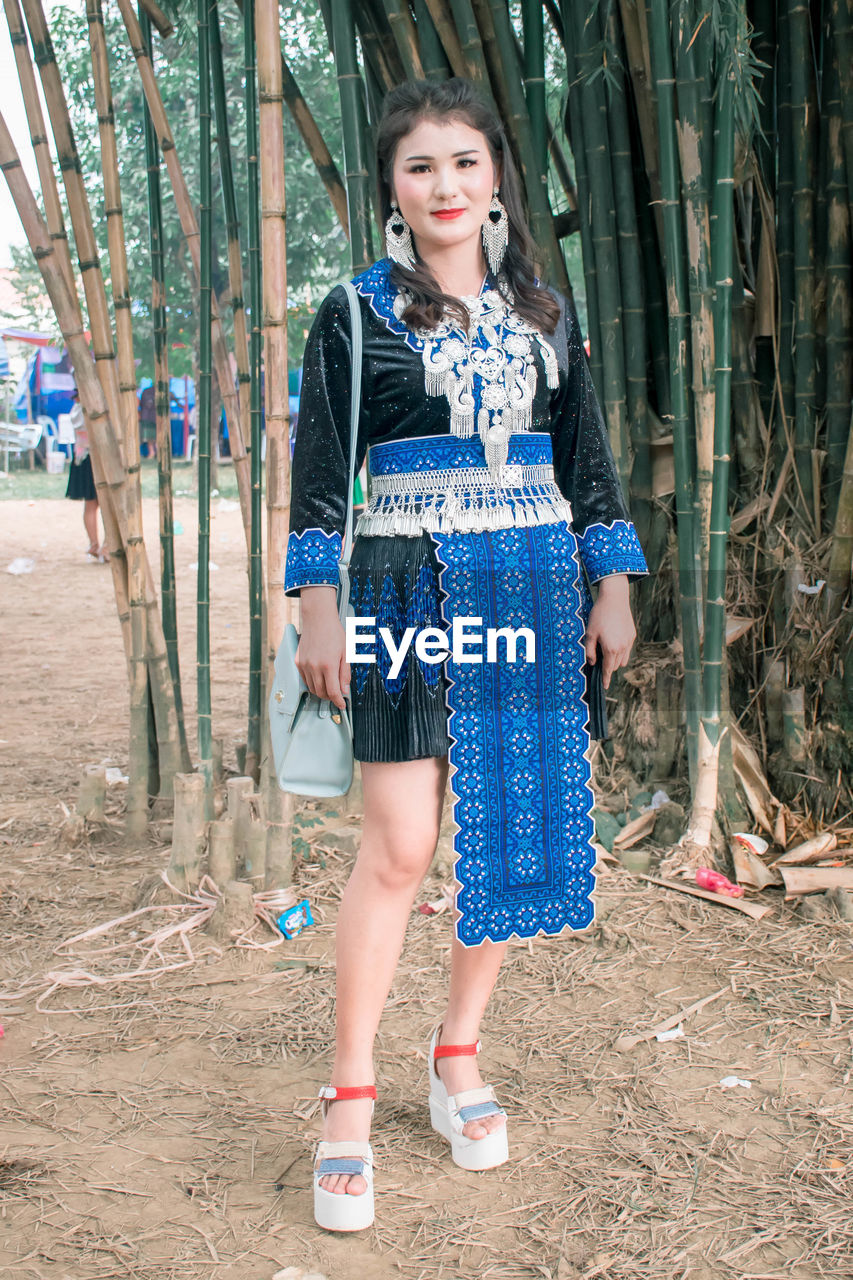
{"x":794,"y":723}
{"x":234,"y":913}
{"x":222,"y":859}
{"x":255,"y":855}
{"x":238,"y":792}
{"x":92,"y":794}
{"x":189,"y":831}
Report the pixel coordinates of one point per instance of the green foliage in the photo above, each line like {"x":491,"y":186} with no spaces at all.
{"x":317,"y":248}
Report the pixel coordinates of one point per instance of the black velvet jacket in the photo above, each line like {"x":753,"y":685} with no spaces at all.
{"x":395,"y":406}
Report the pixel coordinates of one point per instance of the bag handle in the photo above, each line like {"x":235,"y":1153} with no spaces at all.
{"x":356,"y":337}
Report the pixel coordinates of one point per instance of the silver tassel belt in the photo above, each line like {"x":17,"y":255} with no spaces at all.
{"x":463,"y":500}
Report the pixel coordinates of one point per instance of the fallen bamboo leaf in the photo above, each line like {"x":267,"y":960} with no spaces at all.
{"x":747,"y":766}
{"x":809,"y":850}
{"x":749,"y":869}
{"x":799,"y":880}
{"x":754,"y":910}
{"x":625,"y":1042}
{"x":737,"y":627}
{"x":634,"y":830}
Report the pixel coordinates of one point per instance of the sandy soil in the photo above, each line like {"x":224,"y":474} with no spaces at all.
{"x":163,"y":1127}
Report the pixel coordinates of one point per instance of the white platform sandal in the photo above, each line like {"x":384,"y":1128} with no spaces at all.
{"x":341,"y":1211}
{"x":449,"y":1113}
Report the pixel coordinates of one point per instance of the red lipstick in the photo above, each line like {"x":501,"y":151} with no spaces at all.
{"x":447,"y":213}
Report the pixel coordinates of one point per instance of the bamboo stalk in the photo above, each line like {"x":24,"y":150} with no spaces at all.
{"x":232,"y":220}
{"x":445,"y":28}
{"x":59,"y":237}
{"x":631,"y":284}
{"x":274,"y":269}
{"x":785,"y":233}
{"x":713,"y":726}
{"x":203,"y":433}
{"x":534,"y":78}
{"x":841,"y":20}
{"x":315,"y":142}
{"x":432,"y":54}
{"x":107,"y":461}
{"x":596,"y":143}
{"x":354,"y":137}
{"x":137,"y":791}
{"x":312,"y":136}
{"x":517,"y":122}
{"x":127,"y":510}
{"x":405,"y":37}
{"x":841,"y":549}
{"x":469,"y":41}
{"x":694,"y":152}
{"x":837,"y":273}
{"x":162,"y":401}
{"x":38,"y":138}
{"x":189,"y":226}
{"x":689,"y":594}
{"x":253,"y":220}
{"x":78,"y":206}
{"x":803,"y":113}
{"x":155,"y":15}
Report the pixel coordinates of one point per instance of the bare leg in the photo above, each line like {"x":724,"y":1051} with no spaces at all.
{"x":402,"y":815}
{"x":473,"y":974}
{"x":90,"y":523}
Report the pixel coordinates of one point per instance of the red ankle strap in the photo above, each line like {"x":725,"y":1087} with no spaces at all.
{"x":456,"y":1050}
{"x":344,"y":1093}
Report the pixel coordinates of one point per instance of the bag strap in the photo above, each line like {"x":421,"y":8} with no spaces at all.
{"x":356,"y":341}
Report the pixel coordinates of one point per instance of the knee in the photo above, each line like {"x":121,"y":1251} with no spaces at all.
{"x":398,"y":864}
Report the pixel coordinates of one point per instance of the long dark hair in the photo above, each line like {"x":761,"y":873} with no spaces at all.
{"x":457,"y":99}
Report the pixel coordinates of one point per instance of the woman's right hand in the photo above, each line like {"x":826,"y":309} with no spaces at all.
{"x":321,"y":652}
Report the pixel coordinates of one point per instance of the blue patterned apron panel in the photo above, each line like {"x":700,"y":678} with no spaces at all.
{"x":520,"y":777}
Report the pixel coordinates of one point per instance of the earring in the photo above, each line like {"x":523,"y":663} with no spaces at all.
{"x":398,"y":239}
{"x":495,"y":233}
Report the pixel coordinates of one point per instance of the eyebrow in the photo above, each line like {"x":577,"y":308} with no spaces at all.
{"x":470,"y":151}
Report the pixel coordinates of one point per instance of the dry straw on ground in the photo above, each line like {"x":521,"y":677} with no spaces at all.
{"x":165,"y":1128}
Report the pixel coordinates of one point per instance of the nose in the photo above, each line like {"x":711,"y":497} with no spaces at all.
{"x":445,"y":181}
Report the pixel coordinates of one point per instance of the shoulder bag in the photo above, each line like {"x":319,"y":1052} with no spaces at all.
{"x":311,"y":737}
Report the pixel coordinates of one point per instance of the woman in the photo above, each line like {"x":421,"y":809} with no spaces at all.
{"x":482,"y":436}
{"x":81,"y":481}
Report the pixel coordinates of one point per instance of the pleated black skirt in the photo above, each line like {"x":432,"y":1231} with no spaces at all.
{"x":81,"y":482}
{"x":401,"y":716}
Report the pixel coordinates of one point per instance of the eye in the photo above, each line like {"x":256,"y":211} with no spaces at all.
{"x":418,"y":168}
{"x":467,"y":160}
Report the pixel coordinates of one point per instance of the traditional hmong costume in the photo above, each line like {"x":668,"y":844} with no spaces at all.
{"x":491,"y":482}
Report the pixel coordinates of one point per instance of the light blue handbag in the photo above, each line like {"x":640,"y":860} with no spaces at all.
{"x":311,"y":737}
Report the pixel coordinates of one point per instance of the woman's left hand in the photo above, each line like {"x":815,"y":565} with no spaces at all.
{"x":611,"y":626}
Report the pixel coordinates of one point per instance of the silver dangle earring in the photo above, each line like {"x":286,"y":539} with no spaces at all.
{"x":398,"y":239}
{"x":495,"y":233}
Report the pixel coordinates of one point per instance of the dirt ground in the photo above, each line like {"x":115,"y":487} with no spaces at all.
{"x":162,"y":1127}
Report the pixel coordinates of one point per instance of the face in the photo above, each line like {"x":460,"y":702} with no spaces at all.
{"x":443,"y":179}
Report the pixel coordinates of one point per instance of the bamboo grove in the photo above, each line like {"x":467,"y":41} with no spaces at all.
{"x":702,"y":155}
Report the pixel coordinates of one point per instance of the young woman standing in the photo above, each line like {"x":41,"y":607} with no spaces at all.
{"x":493,"y":495}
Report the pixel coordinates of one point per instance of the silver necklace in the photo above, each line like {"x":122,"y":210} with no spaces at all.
{"x":491,"y":362}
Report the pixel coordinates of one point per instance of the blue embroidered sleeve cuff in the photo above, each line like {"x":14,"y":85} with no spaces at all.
{"x":611,"y":548}
{"x":312,"y":560}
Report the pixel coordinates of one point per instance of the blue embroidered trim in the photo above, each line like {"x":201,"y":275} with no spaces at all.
{"x":375,"y":285}
{"x":312,"y":559}
{"x":438,"y":453}
{"x":611,"y":548}
{"x":520,"y":778}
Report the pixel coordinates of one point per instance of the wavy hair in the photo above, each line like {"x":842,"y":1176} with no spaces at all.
{"x":456,"y":99}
